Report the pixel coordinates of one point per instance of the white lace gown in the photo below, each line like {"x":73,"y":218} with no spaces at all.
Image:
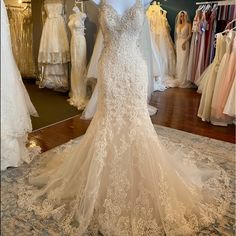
{"x":150,"y":52}
{"x":16,"y":106}
{"x":78,"y":60}
{"x":182,"y":56}
{"x":120,"y":180}
{"x":54,"y":52}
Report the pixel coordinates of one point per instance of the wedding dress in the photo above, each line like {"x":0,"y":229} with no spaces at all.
{"x":16,"y":106}
{"x":54,"y":53}
{"x":120,"y":180}
{"x":182,"y":56}
{"x":78,"y":60}
{"x":152,"y":58}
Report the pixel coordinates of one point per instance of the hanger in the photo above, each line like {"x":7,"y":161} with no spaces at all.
{"x":80,"y":3}
{"x":231,"y":22}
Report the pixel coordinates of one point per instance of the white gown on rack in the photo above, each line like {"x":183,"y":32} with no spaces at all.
{"x":160,"y":31}
{"x":120,"y":180}
{"x":54,"y":53}
{"x":208,"y":80}
{"x":16,"y":106}
{"x":78,"y":60}
{"x":150,"y":52}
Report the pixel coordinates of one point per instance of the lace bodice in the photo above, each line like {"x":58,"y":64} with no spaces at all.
{"x":76,"y":23}
{"x":182,"y":33}
{"x":121,"y":30}
{"x":54,"y":9}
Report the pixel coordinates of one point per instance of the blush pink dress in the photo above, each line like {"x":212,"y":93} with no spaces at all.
{"x":209,"y":79}
{"x":217,"y":116}
{"x":228,"y":83}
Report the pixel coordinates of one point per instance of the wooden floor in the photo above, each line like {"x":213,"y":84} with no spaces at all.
{"x":177,"y":108}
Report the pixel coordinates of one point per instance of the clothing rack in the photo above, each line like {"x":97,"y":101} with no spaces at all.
{"x":14,"y":7}
{"x":219,"y":3}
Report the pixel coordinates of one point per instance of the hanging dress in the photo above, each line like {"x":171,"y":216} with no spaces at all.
{"x":54,"y":52}
{"x":16,"y":106}
{"x":78,"y":49}
{"x":164,"y":45}
{"x":230,"y":106}
{"x":192,"y":64}
{"x":204,"y":111}
{"x":201,"y":48}
{"x":217,"y":116}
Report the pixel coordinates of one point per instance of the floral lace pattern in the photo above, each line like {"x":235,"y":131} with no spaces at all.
{"x":120,"y":179}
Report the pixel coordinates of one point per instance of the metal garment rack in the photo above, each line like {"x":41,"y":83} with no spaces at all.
{"x":219,"y":3}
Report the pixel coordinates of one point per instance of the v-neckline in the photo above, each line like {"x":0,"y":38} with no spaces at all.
{"x":125,"y":12}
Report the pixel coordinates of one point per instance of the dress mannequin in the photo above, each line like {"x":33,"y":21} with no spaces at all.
{"x":78,"y":59}
{"x":183,"y":33}
{"x":122,"y":5}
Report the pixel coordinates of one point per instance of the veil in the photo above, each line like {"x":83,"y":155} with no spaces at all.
{"x":177,"y":21}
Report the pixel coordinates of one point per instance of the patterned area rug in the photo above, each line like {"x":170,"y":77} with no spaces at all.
{"x":16,"y":221}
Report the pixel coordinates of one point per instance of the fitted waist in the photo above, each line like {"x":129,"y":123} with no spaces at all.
{"x":54,"y":15}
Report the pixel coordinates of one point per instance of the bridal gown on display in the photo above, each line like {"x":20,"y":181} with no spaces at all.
{"x":54,"y":53}
{"x":78,"y":60}
{"x":152,"y":58}
{"x":120,"y":180}
{"x":16,"y":106}
{"x":182,"y":56}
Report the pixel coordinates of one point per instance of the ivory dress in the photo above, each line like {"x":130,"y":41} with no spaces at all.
{"x":16,"y":106}
{"x":208,"y":80}
{"x":182,"y":56}
{"x":78,"y":49}
{"x":120,"y":180}
{"x":54,"y":52}
{"x":152,"y":58}
{"x":230,"y":106}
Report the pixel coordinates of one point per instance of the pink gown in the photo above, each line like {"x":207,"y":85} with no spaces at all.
{"x":202,"y":43}
{"x":229,"y":78}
